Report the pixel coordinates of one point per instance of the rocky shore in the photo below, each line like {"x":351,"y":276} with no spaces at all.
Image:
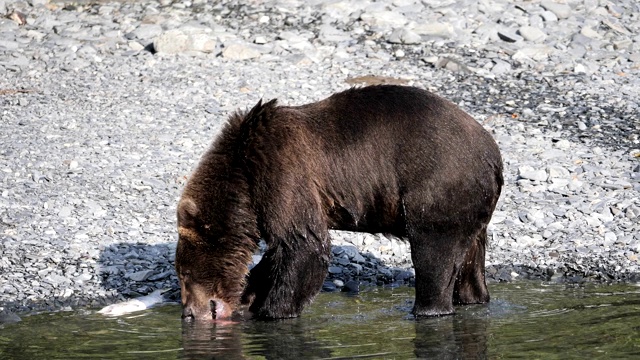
{"x":105,"y":108}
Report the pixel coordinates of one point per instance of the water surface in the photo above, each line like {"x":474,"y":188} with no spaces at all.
{"x":526,"y":319}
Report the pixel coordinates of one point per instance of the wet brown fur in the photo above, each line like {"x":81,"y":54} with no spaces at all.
{"x":384,"y":158}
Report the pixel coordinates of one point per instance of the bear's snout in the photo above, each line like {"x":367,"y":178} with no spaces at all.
{"x":187,"y":313}
{"x":211,"y":310}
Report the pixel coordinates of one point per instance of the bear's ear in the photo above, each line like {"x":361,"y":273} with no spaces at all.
{"x":187,"y":213}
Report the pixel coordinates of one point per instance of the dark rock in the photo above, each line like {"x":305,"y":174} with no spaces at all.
{"x":351,"y":286}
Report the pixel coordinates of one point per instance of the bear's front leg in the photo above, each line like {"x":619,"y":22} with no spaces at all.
{"x":288,"y":277}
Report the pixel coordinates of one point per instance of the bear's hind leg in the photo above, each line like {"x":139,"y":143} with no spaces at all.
{"x":437,"y":256}
{"x":471,"y":286}
{"x":289,"y":276}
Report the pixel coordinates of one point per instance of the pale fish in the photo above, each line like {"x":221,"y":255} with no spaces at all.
{"x":137,"y":304}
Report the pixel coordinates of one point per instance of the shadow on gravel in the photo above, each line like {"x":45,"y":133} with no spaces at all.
{"x":130,"y":270}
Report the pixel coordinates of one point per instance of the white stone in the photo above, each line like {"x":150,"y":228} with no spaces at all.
{"x":182,"y":40}
{"x":240,"y":51}
{"x":434,"y":29}
{"x":535,"y":52}
{"x":562,"y":11}
{"x":529,"y":173}
{"x":580,"y":69}
{"x":531,"y":33}
{"x":404,"y":36}
{"x":384,"y":18}
{"x":590,"y":33}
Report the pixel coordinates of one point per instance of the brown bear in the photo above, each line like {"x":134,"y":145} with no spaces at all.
{"x":386,"y":158}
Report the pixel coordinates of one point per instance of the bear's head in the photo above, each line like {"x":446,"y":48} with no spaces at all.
{"x":212,"y":264}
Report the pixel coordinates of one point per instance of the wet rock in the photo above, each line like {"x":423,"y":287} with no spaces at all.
{"x":351,"y":286}
{"x":329,"y":286}
{"x":9,"y":318}
{"x":404,"y":275}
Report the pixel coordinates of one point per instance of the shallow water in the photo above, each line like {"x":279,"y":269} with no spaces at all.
{"x":527,"y":320}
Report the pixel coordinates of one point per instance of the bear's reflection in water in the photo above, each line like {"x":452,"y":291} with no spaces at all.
{"x":287,"y":339}
{"x":451,"y":337}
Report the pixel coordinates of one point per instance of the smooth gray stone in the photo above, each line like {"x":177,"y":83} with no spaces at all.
{"x":332,"y":34}
{"x":452,"y":65}
{"x":434,"y":29}
{"x":140,"y":275}
{"x":351,"y":286}
{"x":562,"y":11}
{"x":8,"y":45}
{"x":384,"y":18}
{"x":183,"y":40}
{"x":509,"y":35}
{"x":145,"y":32}
{"x":329,"y":286}
{"x":549,"y":16}
{"x":531,"y":33}
{"x":350,"y":251}
{"x":500,"y":67}
{"x":529,"y":173}
{"x":404,"y":36}
{"x":356,"y":267}
{"x":7,"y":26}
{"x":240,"y":51}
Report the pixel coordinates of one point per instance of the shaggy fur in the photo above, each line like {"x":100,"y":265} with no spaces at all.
{"x":390,"y":159}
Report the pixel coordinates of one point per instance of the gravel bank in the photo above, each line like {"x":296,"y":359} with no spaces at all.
{"x":106,"y":107}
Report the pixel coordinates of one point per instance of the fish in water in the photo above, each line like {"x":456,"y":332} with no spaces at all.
{"x":133,"y":305}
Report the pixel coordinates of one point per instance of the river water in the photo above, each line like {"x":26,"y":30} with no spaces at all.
{"x":524,"y":319}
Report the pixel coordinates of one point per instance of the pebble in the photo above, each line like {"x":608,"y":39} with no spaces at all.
{"x":107,"y":108}
{"x":561,"y":10}
{"x":179,"y":41}
{"x":509,"y":35}
{"x":404,"y":36}
{"x":240,"y":51}
{"x":531,"y":33}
